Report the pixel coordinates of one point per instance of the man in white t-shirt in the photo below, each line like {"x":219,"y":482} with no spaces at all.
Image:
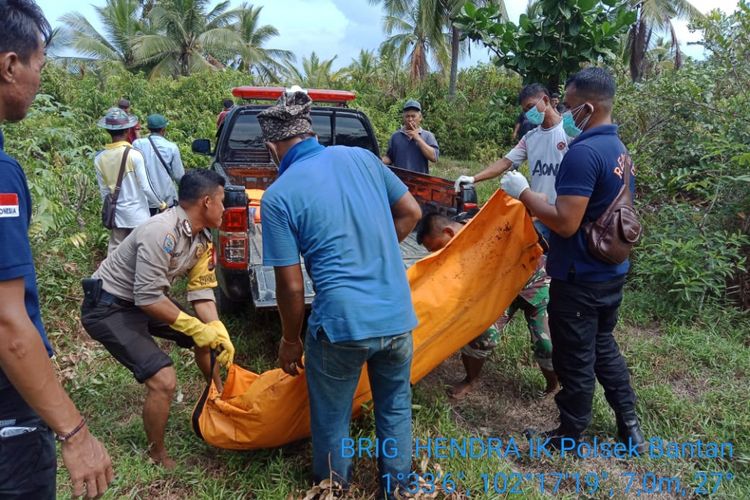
{"x":544,"y":147}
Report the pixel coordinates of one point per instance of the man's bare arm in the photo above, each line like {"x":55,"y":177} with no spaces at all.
{"x":24,"y":361}
{"x":206,"y":310}
{"x":163,"y":310}
{"x":290,"y":295}
{"x":406,"y":214}
{"x":493,"y":170}
{"x":427,"y":150}
{"x":564,"y":217}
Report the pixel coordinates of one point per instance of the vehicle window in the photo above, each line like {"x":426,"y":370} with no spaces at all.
{"x":350,"y":131}
{"x":246,"y":133}
{"x":321,"y":125}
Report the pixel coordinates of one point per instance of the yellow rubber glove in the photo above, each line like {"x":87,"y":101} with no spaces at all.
{"x":202,"y":334}
{"x":226,"y":357}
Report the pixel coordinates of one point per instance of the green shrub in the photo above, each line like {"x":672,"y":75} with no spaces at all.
{"x":691,"y":264}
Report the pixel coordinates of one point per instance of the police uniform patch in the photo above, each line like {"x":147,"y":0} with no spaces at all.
{"x":187,"y":227}
{"x":199,"y":251}
{"x":169,"y":243}
{"x":9,"y":205}
{"x":212,"y":260}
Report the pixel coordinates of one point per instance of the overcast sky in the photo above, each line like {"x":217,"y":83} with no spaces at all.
{"x":343,"y":27}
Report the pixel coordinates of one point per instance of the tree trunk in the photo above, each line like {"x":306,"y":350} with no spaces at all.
{"x":455,"y":45}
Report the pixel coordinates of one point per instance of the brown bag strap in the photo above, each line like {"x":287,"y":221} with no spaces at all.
{"x":120,"y":175}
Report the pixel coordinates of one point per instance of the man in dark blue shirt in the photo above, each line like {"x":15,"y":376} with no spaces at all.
{"x":585,"y":292}
{"x":33,"y":405}
{"x":411,"y":147}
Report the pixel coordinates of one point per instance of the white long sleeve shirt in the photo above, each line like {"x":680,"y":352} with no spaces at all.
{"x":135,"y":191}
{"x":161,"y":176}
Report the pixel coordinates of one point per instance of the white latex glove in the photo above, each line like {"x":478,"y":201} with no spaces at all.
{"x":464,"y":179}
{"x":514,"y":183}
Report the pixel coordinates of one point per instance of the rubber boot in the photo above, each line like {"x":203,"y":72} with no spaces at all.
{"x":629,"y":431}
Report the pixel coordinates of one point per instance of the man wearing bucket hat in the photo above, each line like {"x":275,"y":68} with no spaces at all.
{"x":163,"y":162}
{"x":134,"y":132}
{"x":345,"y":213}
{"x":136,"y":193}
{"x":411,"y":147}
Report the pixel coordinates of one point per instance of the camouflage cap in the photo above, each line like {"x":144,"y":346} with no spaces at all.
{"x":290,"y":116}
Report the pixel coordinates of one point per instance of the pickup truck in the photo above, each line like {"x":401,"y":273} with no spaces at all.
{"x":240,"y":156}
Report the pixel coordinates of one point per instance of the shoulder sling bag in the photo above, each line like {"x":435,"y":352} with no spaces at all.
{"x":109,"y":206}
{"x":612,"y":236}
{"x":158,"y":155}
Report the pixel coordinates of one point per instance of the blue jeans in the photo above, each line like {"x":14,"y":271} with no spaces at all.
{"x":332,"y":372}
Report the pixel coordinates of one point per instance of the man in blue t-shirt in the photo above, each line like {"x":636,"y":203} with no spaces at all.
{"x":585,"y":293}
{"x":33,"y":405}
{"x":345,"y":213}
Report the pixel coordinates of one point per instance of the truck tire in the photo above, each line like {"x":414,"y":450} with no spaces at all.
{"x":225,"y":305}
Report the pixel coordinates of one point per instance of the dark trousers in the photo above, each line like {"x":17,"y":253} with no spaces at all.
{"x":28,"y":463}
{"x":582,"y":317}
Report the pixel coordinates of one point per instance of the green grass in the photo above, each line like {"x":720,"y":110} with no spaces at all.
{"x":691,"y":380}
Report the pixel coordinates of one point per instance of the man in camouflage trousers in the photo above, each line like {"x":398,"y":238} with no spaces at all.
{"x":435,"y":231}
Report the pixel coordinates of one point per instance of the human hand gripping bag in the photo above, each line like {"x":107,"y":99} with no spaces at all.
{"x":455,"y":299}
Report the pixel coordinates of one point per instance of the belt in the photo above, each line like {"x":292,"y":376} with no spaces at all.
{"x":107,"y":298}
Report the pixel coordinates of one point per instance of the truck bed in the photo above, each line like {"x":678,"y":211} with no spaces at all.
{"x":263,"y":281}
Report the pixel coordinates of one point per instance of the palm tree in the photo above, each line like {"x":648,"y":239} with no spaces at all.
{"x":121,"y":22}
{"x":434,"y":16}
{"x":363,"y":69}
{"x":253,"y":57}
{"x":655,"y":15}
{"x":393,"y":74}
{"x":188,"y":37}
{"x":315,"y":73}
{"x":451,"y":9}
{"x":416,"y":34}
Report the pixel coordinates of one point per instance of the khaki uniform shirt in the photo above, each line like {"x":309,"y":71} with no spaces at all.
{"x":144,"y":266}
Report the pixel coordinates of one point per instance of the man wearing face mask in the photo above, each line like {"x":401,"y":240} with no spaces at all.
{"x":585,"y":293}
{"x":544,"y":147}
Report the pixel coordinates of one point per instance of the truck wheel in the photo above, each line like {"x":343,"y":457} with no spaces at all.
{"x":225,"y":305}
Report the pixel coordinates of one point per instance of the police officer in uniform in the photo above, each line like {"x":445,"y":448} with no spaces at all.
{"x":126,"y":302}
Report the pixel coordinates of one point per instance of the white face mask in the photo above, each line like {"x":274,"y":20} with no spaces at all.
{"x":274,"y":158}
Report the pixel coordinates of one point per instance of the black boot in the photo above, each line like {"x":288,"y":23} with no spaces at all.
{"x":629,"y":431}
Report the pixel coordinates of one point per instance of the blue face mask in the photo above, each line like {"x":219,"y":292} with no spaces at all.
{"x":535,"y":116}
{"x":569,"y":122}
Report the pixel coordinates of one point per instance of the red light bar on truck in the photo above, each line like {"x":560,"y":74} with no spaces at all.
{"x":273,"y":93}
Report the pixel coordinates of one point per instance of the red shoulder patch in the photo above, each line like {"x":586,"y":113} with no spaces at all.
{"x":8,"y":199}
{"x":9,"y":205}
{"x":561,"y":145}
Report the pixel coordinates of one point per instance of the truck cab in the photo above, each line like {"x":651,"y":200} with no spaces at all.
{"x":241,"y":157}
